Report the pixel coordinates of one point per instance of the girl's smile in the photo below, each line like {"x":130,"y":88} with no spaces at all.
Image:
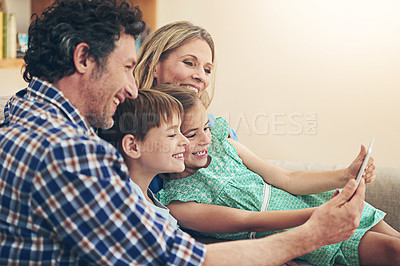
{"x":195,"y":128}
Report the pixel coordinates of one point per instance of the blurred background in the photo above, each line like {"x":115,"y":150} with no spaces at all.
{"x":298,"y":80}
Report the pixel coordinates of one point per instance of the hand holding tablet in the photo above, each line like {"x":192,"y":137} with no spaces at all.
{"x":365,"y":162}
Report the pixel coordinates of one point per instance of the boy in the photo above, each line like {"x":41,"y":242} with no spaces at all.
{"x":147,"y":134}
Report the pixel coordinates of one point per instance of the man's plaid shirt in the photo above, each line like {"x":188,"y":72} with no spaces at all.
{"x":66,"y":197}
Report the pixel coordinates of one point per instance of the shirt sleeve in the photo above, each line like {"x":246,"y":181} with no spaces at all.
{"x":211,"y":122}
{"x":82,"y":192}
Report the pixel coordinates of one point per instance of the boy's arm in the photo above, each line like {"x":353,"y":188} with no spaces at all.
{"x":220,"y":219}
{"x":332,"y":222}
{"x":303,"y":182}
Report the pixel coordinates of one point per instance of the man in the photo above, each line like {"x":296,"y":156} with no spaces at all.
{"x":65,"y":195}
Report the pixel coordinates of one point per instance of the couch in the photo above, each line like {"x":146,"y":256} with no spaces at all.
{"x":383,"y":193}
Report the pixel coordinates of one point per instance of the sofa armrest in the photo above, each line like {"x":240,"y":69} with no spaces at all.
{"x":383,"y":193}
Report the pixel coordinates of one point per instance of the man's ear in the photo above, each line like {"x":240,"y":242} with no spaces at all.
{"x":81,"y":58}
{"x":130,"y":146}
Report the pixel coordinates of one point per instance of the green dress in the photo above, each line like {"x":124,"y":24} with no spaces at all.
{"x":228,"y":182}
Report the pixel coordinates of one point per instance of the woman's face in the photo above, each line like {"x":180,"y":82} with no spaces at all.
{"x":189,"y":65}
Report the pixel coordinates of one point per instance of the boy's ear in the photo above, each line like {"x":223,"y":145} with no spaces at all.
{"x":81,"y":58}
{"x":130,"y":146}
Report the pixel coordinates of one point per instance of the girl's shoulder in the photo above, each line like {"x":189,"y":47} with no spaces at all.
{"x":200,"y":187}
{"x":211,"y":122}
{"x":220,"y":129}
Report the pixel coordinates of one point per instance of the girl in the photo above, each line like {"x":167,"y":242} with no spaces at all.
{"x":235,"y":177}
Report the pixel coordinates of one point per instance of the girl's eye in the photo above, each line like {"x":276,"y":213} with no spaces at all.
{"x":172,"y":135}
{"x":208,"y":71}
{"x":190,"y":136}
{"x":188,"y":63}
{"x":206,"y":129}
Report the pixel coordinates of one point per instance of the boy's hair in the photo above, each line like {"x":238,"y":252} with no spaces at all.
{"x":54,"y":35}
{"x":138,"y":116}
{"x":186,"y":97}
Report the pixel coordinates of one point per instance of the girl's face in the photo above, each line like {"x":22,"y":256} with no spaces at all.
{"x":195,"y":128}
{"x":189,"y":65}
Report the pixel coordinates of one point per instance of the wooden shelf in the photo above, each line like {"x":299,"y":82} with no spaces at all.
{"x":11,"y":63}
{"x":148,"y":7}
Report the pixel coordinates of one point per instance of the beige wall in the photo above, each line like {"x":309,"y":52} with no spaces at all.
{"x":304,"y":80}
{"x":11,"y":81}
{"x":299,"y":80}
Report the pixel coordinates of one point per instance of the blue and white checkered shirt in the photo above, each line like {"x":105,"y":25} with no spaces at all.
{"x":66,"y":197}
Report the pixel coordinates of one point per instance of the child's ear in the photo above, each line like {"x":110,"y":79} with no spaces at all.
{"x":130,"y":146}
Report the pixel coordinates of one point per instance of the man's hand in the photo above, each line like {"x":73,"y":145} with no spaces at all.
{"x":336,"y":220}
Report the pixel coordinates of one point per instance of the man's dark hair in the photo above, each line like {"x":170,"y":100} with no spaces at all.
{"x":54,"y":35}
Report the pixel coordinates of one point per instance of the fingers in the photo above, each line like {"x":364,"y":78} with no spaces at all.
{"x":370,"y":171}
{"x":356,"y":164}
{"x":357,"y":201}
{"x":363,"y":152}
{"x":290,"y":263}
{"x":370,"y":165}
{"x":337,"y":219}
{"x":346,"y":194}
{"x":335,"y":193}
{"x":371,"y":161}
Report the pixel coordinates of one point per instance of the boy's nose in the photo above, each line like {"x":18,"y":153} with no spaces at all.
{"x":184,"y":141}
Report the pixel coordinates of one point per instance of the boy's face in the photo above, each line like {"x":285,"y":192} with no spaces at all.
{"x":195,"y":128}
{"x":163,"y":147}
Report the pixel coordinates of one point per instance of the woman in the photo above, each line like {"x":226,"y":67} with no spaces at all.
{"x":182,"y":54}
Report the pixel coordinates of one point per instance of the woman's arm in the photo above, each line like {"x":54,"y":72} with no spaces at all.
{"x":210,"y":218}
{"x":303,"y":182}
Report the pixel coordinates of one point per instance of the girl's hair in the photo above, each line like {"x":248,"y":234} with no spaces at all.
{"x":138,"y":116}
{"x":186,"y":97}
{"x":54,"y":35}
{"x":161,"y":43}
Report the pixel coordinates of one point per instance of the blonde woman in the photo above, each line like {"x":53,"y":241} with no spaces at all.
{"x":182,"y":54}
{"x":179,"y":53}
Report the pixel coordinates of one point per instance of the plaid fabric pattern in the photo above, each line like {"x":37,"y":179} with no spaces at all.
{"x":66,"y":197}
